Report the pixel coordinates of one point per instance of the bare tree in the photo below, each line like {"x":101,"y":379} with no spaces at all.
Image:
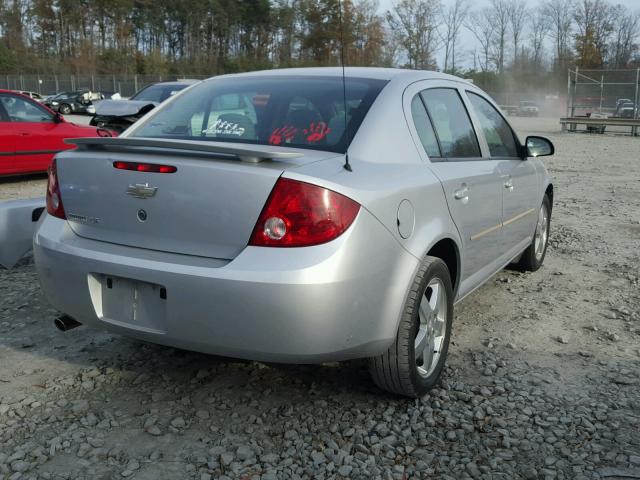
{"x":559,"y":15}
{"x":454,"y":17}
{"x":479,"y":23}
{"x":594,"y":22}
{"x":518,"y":13}
{"x":416,"y":23}
{"x":499,"y":17}
{"x":625,"y":37}
{"x":539,"y":29}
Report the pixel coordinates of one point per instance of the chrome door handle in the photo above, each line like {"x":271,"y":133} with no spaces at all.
{"x":461,"y":194}
{"x":509,"y":185}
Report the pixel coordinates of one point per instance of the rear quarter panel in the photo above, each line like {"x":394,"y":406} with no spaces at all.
{"x":387,"y":169}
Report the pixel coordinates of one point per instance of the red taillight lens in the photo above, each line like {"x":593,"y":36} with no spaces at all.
{"x":299,"y":214}
{"x":145,"y":167}
{"x":54,"y":200}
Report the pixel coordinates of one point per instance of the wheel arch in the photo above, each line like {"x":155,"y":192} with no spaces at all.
{"x":447,"y":250}
{"x":549,"y":193}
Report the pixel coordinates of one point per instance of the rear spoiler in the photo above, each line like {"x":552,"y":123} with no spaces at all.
{"x":252,"y":154}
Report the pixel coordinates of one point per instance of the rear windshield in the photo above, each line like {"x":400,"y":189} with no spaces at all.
{"x":303,"y":112}
{"x":157,"y":93}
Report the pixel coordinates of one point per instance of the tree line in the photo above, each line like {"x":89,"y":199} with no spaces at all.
{"x":209,"y":37}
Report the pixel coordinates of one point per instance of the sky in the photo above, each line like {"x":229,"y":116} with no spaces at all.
{"x":467,"y":39}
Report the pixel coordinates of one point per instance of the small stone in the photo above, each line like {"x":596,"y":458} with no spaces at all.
{"x":178,"y":422}
{"x":345,"y":470}
{"x":243,"y":453}
{"x":226,"y":458}
{"x":80,"y":406}
{"x":563,"y":340}
{"x":153,"y":430}
{"x":19,"y":466}
{"x":270,"y":458}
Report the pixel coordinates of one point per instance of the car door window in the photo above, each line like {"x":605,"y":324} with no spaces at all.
{"x":424,"y":128}
{"x":21,"y":110}
{"x":451,"y":122}
{"x":497,"y":131}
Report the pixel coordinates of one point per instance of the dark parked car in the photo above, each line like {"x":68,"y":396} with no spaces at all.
{"x":527,"y":109}
{"x":72,"y":102}
{"x":118,"y":115}
{"x":625,"y":108}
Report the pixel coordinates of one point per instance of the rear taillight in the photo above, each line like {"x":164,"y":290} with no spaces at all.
{"x":299,"y":214}
{"x":54,"y":200}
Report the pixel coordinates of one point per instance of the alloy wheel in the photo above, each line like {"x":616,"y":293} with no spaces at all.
{"x":429,"y":341}
{"x":542,"y":232}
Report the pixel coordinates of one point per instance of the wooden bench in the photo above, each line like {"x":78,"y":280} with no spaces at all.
{"x":571,"y":123}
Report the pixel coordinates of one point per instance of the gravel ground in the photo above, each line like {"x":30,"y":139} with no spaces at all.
{"x":542,"y":379}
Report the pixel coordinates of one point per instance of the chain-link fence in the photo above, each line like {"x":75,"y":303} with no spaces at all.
{"x":125,"y":85}
{"x":610,"y":92}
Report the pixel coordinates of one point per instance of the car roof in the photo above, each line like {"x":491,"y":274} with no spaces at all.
{"x":374,"y":73}
{"x":186,"y":81}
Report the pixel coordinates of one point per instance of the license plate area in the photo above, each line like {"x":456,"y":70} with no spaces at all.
{"x":128,"y":302}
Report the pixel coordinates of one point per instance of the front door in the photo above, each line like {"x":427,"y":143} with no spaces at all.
{"x":37,"y":136}
{"x":518,"y":176}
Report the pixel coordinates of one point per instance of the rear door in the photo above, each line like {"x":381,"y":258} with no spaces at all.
{"x":7,"y":142}
{"x":470,"y":182}
{"x":518,"y":176}
{"x":37,"y":136}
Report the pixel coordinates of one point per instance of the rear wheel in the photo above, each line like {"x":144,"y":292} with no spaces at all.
{"x":413,"y":363}
{"x":533,"y":257}
{"x":65,"y":109}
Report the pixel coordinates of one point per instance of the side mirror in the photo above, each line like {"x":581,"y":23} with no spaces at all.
{"x":539,"y":147}
{"x":58,"y":118}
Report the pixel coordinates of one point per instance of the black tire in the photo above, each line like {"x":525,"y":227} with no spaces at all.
{"x":530,"y":261}
{"x":65,"y":109}
{"x":396,"y":370}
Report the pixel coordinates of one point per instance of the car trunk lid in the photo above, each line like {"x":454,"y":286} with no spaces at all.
{"x":207,"y":207}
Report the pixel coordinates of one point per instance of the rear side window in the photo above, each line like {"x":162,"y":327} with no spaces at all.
{"x":157,"y":93}
{"x":496,"y":130}
{"x":451,"y":122}
{"x":424,"y":128}
{"x":301,"y":111}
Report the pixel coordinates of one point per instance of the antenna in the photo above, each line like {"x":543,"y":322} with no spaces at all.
{"x":347,"y":165}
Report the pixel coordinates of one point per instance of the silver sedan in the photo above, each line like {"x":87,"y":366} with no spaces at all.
{"x":297,"y":216}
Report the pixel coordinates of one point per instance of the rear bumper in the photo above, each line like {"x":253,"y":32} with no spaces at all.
{"x":335,"y":301}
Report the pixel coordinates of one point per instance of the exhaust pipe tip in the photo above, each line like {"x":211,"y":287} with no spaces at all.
{"x":65,"y":323}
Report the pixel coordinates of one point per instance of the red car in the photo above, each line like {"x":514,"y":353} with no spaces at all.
{"x":31,"y":134}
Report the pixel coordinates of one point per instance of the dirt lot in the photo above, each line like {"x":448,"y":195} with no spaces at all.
{"x":542,"y":380}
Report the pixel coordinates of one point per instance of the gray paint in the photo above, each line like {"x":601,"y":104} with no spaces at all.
{"x":334,"y":301}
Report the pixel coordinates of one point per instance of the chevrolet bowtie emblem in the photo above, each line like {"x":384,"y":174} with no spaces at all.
{"x":141,"y":190}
